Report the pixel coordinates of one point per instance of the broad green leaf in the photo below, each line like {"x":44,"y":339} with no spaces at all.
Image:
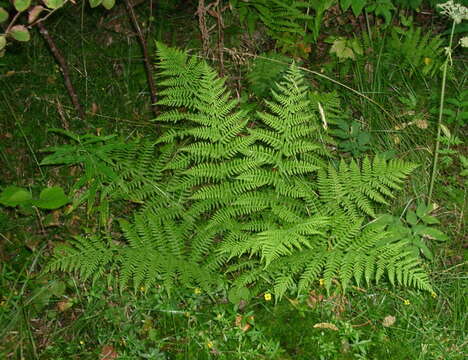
{"x":108,"y":4}
{"x":357,"y":6}
{"x":345,"y":4}
{"x":464,"y":160}
{"x":411,"y":217}
{"x":430,"y":220}
{"x":95,"y":3}
{"x":54,"y":4}
{"x":236,"y":294}
{"x":384,"y":219}
{"x":20,"y":33}
{"x":51,"y":198}
{"x":382,"y":8}
{"x":22,"y":5}
{"x":57,"y":287}
{"x":423,"y":247}
{"x":356,"y":46}
{"x":426,"y":252}
{"x":2,"y":42}
{"x":3,"y":15}
{"x":422,"y":209}
{"x":14,"y":196}
{"x":431,"y":233}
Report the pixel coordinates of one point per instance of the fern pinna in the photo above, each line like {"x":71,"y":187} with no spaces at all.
{"x":257,"y":197}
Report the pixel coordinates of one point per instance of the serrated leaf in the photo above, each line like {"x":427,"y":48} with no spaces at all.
{"x":20,"y":33}
{"x":14,"y":196}
{"x":51,"y":198}
{"x":21,"y":5}
{"x":341,"y":49}
{"x":108,"y":4}
{"x":3,"y":15}
{"x":95,"y":3}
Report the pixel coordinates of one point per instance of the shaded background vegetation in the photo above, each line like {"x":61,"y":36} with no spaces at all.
{"x":390,"y":56}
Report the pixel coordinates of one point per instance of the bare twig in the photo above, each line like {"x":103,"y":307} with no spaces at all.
{"x":63,"y":67}
{"x":218,"y":14}
{"x":201,"y":12}
{"x":146,"y":58}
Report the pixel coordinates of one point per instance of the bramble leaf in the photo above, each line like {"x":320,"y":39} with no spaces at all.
{"x":20,"y":33}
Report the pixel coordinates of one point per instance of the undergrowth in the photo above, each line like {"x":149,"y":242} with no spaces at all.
{"x":267,"y":223}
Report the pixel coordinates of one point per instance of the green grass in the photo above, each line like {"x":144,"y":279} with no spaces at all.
{"x":38,"y":325}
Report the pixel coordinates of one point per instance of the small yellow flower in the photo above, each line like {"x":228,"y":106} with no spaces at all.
{"x":427,"y":60}
{"x":267,"y":296}
{"x":322,"y":282}
{"x":81,"y":342}
{"x":433,"y":294}
{"x":209,"y":344}
{"x":142,"y":289}
{"x":406,"y":302}
{"x":197,"y":291}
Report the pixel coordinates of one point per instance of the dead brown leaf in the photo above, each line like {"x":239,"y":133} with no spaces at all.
{"x":64,"y":305}
{"x":108,"y":353}
{"x":388,"y":321}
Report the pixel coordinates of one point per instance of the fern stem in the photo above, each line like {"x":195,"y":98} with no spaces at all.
{"x":439,"y":120}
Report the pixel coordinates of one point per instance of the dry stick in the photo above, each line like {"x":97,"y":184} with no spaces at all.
{"x":201,"y":12}
{"x":63,"y":67}
{"x":146,"y":58}
{"x":220,"y":23}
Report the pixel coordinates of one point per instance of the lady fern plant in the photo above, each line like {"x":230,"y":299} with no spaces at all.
{"x":259,"y":198}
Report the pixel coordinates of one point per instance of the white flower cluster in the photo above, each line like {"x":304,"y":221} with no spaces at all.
{"x":464,"y":42}
{"x":455,"y":11}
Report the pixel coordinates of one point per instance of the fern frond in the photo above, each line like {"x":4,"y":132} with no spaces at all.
{"x":87,"y":256}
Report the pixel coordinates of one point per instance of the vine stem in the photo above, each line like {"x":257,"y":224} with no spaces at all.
{"x":439,"y":120}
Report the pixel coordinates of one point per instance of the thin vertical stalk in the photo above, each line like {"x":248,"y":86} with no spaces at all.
{"x":439,"y":120}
